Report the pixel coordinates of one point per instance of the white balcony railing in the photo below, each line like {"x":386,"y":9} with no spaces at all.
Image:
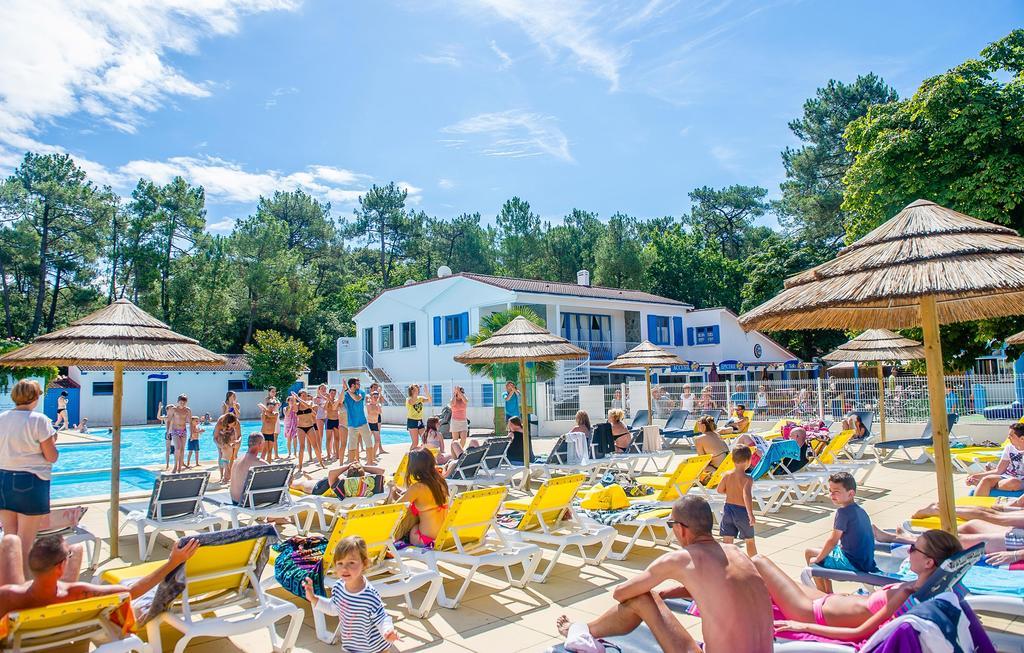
{"x":604,"y":351}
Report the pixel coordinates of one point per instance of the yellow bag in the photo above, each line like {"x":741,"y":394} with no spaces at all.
{"x":611,"y":497}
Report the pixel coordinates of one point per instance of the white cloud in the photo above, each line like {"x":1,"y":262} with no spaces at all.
{"x":565,"y":25}
{"x":446,"y":184}
{"x":222,"y":226}
{"x":446,"y":56}
{"x":685,"y":131}
{"x":727,"y":157}
{"x":516,"y":134}
{"x":415,"y":192}
{"x":277,"y":93}
{"x":506,"y":60}
{"x":106,"y":58}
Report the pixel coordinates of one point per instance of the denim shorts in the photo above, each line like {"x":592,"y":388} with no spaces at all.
{"x":24,"y":493}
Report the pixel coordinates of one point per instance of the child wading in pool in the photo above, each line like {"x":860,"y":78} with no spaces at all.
{"x":363,"y":625}
{"x":179,"y":416}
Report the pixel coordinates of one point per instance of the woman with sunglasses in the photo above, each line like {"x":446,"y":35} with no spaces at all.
{"x":852,"y":617}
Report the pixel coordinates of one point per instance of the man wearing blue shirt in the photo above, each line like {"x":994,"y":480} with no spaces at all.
{"x":358,"y":427}
{"x":511,"y":398}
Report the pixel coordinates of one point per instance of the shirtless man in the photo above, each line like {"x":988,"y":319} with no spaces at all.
{"x":50,"y":560}
{"x":333,"y":423}
{"x":736,"y":611}
{"x":269,"y":415}
{"x":179,"y":416}
{"x":241,"y":468}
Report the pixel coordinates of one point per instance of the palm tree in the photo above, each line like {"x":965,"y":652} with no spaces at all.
{"x":506,"y":371}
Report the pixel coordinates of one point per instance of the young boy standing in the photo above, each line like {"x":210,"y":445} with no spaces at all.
{"x":738,"y":517}
{"x":179,"y":416}
{"x":193,"y":440}
{"x":851,"y":544}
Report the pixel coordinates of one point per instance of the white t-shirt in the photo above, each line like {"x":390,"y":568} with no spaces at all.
{"x":21,"y":431}
{"x":1016,"y":459}
{"x":686,"y":403}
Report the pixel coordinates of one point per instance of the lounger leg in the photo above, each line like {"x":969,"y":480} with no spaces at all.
{"x":291,"y":635}
{"x":629,"y":545}
{"x":322,"y":633}
{"x":454,"y":602}
{"x":153,"y":635}
{"x":542,"y":577}
{"x":423,"y":610}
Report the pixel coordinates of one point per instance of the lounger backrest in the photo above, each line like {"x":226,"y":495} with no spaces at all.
{"x":403,"y":468}
{"x":469,"y":463}
{"x":215,"y":559}
{"x":497,"y":452}
{"x":552,"y":500}
{"x":375,"y":525}
{"x":684,"y":476}
{"x":867,"y":417}
{"x":267,"y":485}
{"x":834,"y":446}
{"x":950,"y":572}
{"x":640,"y":420}
{"x":951,"y":419}
{"x":471,"y":515}
{"x":677,"y":419}
{"x":559,"y":452}
{"x":82,"y":616}
{"x":177,"y":495}
{"x":727,"y":466}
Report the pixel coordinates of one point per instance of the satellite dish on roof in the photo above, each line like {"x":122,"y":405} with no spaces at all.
{"x":409,"y":282}
{"x":444,"y":271}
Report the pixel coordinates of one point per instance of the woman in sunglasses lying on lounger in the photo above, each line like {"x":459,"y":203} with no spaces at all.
{"x":852,"y":617}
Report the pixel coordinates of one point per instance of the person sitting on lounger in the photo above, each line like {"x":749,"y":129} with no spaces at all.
{"x":620,"y":432}
{"x":427,"y":495}
{"x":1009,"y":473}
{"x":852,"y":617}
{"x":709,"y":442}
{"x":734,"y":603}
{"x":1000,"y":527}
{"x":49,"y":561}
{"x":241,"y":468}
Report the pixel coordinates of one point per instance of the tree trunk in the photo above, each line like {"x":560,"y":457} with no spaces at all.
{"x":383,"y":271}
{"x":252,"y":318}
{"x":53,"y":301}
{"x":165,"y":274}
{"x":44,"y":246}
{"x":7,"y":300}
{"x":113,"y":261}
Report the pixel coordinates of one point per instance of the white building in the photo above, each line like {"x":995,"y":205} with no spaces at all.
{"x":411,"y":333}
{"x":144,"y":388}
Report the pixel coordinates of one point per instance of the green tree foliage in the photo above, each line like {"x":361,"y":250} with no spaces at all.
{"x":519,"y":237}
{"x":381,"y":220}
{"x":572,"y":246}
{"x":618,"y":253}
{"x":276,"y":360}
{"x":958,"y":141}
{"x":507,"y":371}
{"x":812,"y":194}
{"x":724,"y":215}
{"x":683,"y":265}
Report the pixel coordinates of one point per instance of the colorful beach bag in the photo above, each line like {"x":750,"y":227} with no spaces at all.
{"x":298,"y":558}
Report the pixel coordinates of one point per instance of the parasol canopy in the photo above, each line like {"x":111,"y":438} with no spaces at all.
{"x":927,"y":265}
{"x":119,"y":334}
{"x":1016,"y":339}
{"x":520,"y":341}
{"x":646,"y":355}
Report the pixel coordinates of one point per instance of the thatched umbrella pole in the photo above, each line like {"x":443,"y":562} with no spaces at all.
{"x":526,"y":422}
{"x":646,"y":356}
{"x":115,"y":461}
{"x":650,"y":409}
{"x":937,"y":405}
{"x":881,"y":401}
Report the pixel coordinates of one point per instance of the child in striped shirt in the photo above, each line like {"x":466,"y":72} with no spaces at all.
{"x":364,"y":626}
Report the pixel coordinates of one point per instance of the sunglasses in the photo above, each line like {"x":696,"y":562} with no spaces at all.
{"x":672,"y":523}
{"x":914,"y":547}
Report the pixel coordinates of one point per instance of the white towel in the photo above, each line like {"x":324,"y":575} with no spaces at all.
{"x":577,"y":444}
{"x":579,"y":640}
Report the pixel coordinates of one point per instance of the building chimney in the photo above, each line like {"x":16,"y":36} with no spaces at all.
{"x":583,"y":278}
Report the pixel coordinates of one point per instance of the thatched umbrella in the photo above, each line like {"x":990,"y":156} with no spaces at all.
{"x":646,"y":356}
{"x":1016,"y":339}
{"x":520,"y":341}
{"x":878,"y":345}
{"x":927,"y":265}
{"x":118,"y":334}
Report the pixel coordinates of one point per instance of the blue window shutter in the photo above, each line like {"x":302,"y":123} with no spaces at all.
{"x":437,"y":330}
{"x":464,"y":330}
{"x":677,"y":330}
{"x":689,"y":336}
{"x":652,"y":329}
{"x":714,"y":334}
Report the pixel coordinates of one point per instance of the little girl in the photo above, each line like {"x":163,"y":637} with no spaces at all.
{"x":432,"y":438}
{"x":291,"y":426}
{"x":364,"y":626}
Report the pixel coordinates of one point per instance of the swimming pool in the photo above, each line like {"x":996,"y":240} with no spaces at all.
{"x":68,"y":485}
{"x":143,"y":446}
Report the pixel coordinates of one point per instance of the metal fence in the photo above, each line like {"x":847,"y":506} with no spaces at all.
{"x":906,"y":398}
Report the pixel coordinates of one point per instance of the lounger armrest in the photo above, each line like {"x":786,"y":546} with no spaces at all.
{"x":818,"y":571}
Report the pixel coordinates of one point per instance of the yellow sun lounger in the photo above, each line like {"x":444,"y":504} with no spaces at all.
{"x":470,"y":540}
{"x":219,"y":577}
{"x":928,"y":523}
{"x":98,"y":619}
{"x":550,"y":520}
{"x":669,"y":489}
{"x":389,"y":576}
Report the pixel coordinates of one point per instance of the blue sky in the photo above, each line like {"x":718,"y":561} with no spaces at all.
{"x":614,"y":106}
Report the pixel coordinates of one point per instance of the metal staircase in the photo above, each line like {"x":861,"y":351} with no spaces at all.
{"x":570,"y":375}
{"x":393,"y":395}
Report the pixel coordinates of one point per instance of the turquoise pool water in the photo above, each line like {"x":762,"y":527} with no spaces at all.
{"x":82,"y":484}
{"x":141,"y":446}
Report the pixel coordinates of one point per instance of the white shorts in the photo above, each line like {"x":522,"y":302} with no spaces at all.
{"x":356,"y":432}
{"x":459,"y":425}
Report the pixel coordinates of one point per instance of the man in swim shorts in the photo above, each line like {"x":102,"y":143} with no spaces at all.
{"x":179,"y":416}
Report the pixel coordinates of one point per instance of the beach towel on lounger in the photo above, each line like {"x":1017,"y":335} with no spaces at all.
{"x":299,"y":558}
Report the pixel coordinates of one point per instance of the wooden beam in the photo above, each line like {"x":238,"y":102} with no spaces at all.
{"x":937,"y":404}
{"x":525,"y":416}
{"x":115,"y":460}
{"x":881,"y":400}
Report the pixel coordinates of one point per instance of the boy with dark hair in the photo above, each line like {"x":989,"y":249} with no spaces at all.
{"x":851,"y":544}
{"x":738,"y":515}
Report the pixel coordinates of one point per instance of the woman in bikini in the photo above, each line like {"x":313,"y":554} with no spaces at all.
{"x":427,"y":496}
{"x":709,"y":442}
{"x":852,"y":617}
{"x":320,"y":402}
{"x":414,"y":403}
{"x":227,"y":433}
{"x":230,"y":405}
{"x":620,"y":432}
{"x":269,"y":427}
{"x":309,"y":437}
{"x":291,"y":428}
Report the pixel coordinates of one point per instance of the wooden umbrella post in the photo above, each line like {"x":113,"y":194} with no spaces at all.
{"x":525,"y":416}
{"x":115,"y":460}
{"x":937,"y":404}
{"x":881,"y":401}
{"x":650,"y":409}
